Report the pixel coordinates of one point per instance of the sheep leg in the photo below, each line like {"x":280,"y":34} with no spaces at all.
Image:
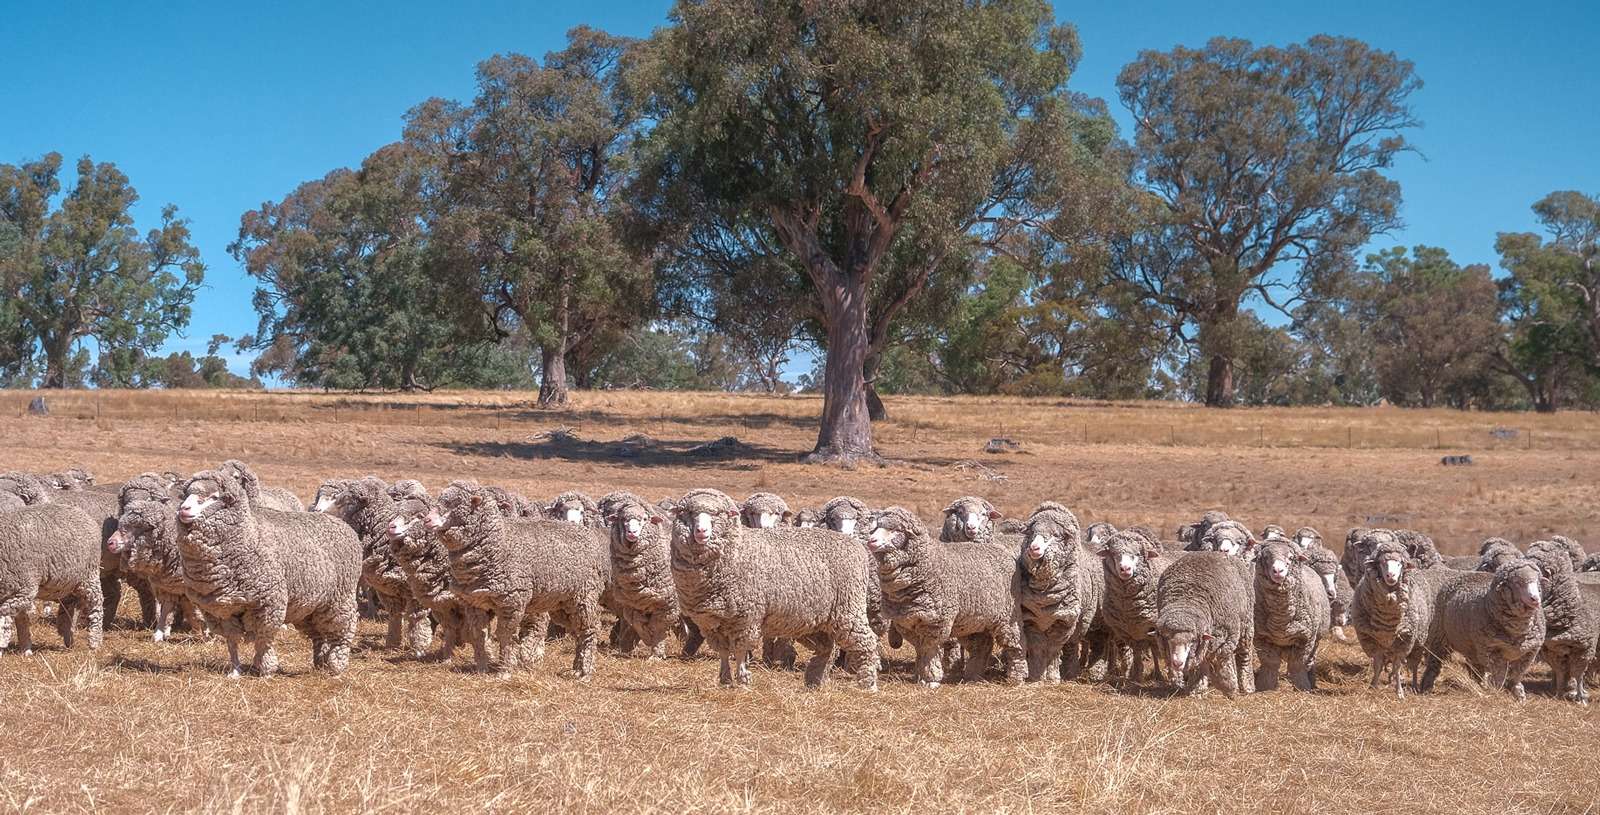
{"x":233,"y":654}
{"x":111,"y":590}
{"x":539,"y":631}
{"x":979,"y":650}
{"x":1430,"y":673}
{"x":1267,"y":674}
{"x":860,"y":647}
{"x":1378,"y":661}
{"x":693,"y":639}
{"x":930,"y":660}
{"x":657,"y":627}
{"x":148,"y":609}
{"x":24,"y":623}
{"x":1044,"y":656}
{"x":93,"y":605}
{"x":1299,"y":670}
{"x":419,"y":627}
{"x":821,"y":658}
{"x":394,"y":609}
{"x":163,"y":622}
{"x":584,"y":623}
{"x":896,"y":639}
{"x":66,"y":612}
{"x":507,"y":627}
{"x":1514,"y":673}
{"x":1224,"y":673}
{"x":266,"y":661}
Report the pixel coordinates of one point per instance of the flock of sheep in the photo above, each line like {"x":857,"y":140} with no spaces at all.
{"x":1035,"y":599}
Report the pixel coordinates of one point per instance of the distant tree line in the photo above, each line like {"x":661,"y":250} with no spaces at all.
{"x":909,"y":193}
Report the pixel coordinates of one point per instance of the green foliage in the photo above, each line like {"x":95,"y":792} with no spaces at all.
{"x":1436,"y":325}
{"x":79,"y":272}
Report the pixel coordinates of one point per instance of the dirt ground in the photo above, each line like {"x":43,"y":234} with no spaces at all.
{"x":146,"y":727}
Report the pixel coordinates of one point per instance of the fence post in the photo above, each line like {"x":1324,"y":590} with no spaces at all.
{"x":1349,"y":437}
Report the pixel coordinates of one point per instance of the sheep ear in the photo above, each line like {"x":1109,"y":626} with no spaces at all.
{"x":787,"y":515}
{"x":1206,"y":637}
{"x":733,"y":514}
{"x":655,"y":519}
{"x":1151,"y":552}
{"x":476,"y":500}
{"x":994,"y":515}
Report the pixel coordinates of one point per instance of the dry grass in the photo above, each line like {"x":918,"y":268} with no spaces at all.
{"x":156,"y":728}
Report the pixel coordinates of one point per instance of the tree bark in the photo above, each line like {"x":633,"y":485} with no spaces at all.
{"x":846,"y":433}
{"x":1219,"y":382}
{"x":875,"y":409}
{"x":553,"y":376}
{"x":55,"y":354}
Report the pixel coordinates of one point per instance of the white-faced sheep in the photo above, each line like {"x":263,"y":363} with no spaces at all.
{"x":1191,"y":534}
{"x":1590,"y":563}
{"x":518,"y":571}
{"x":1206,"y":622}
{"x":1133,"y":565}
{"x":971,"y":518}
{"x":1393,"y":612}
{"x":275,"y":498}
{"x":641,"y":571}
{"x":1494,"y":621}
{"x":764,"y":510}
{"x":146,"y":539}
{"x":1061,"y":599}
{"x":1572,"y":620}
{"x":1096,"y":534}
{"x":1494,"y":552}
{"x":576,"y":508}
{"x":934,"y":591}
{"x":811,"y":585}
{"x":50,"y":552}
{"x":255,"y":570}
{"x":1292,"y":614}
{"x":808,"y":518}
{"x":366,"y":505}
{"x":847,"y":515}
{"x":1228,"y":537}
{"x":426,"y":563}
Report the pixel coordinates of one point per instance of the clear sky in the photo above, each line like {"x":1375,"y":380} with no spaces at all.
{"x":217,"y":109}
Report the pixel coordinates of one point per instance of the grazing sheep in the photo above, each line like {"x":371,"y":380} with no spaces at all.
{"x":1494,"y":552}
{"x":522,"y":572}
{"x":1572,"y":620}
{"x":1292,"y":614}
{"x":1393,"y":612}
{"x":1206,"y":622}
{"x":845,"y":514}
{"x":575,"y":508}
{"x":146,"y":540}
{"x":366,"y":505}
{"x":50,"y":552}
{"x":1062,"y":593}
{"x":275,"y":498}
{"x":763,"y":510}
{"x":737,"y":584}
{"x":255,"y":569}
{"x":1133,"y":565}
{"x":426,"y":563}
{"x":935,"y":591}
{"x":1495,"y":621}
{"x":641,"y":572}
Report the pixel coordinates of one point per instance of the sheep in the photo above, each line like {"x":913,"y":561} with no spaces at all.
{"x":845,"y":514}
{"x":576,"y":508}
{"x":1096,"y":534}
{"x":1393,"y":612}
{"x":102,"y":507}
{"x":1308,"y":537}
{"x":50,"y":552}
{"x":1590,"y":563}
{"x":1495,"y":621}
{"x":26,"y":487}
{"x":737,"y":584}
{"x":641,"y":572}
{"x":74,"y":478}
{"x":146,"y":540}
{"x":1062,"y":592}
{"x":426,"y":564}
{"x":521,"y":572}
{"x":1461,"y":563}
{"x":1572,"y":620}
{"x":1421,"y":547}
{"x":763,"y":510}
{"x":971,"y":518}
{"x":366,"y":505}
{"x":938,"y":590}
{"x":1229,"y":537}
{"x":1206,"y":622}
{"x":1273,"y":532}
{"x":1565,"y":545}
{"x":513,"y":504}
{"x":808,"y":518}
{"x":1494,"y":552}
{"x":255,"y":569}
{"x":1291,"y":615}
{"x":1133,"y":565}
{"x":1340,"y":593}
{"x":1190,"y":534}
{"x":275,"y":498}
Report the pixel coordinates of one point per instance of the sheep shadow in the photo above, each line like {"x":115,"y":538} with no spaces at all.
{"x":753,"y":421}
{"x":139,"y":665}
{"x":634,"y":451}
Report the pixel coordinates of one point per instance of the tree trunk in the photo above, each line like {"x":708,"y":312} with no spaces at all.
{"x":846,"y":434}
{"x":55,"y":355}
{"x":875,"y":408}
{"x":553,"y":376}
{"x":1219,"y":382}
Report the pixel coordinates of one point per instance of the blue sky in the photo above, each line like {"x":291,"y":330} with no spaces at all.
{"x":218,"y":109}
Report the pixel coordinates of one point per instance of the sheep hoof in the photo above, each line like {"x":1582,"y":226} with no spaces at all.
{"x":157,"y":636}
{"x":233,"y":673}
{"x":28,"y":652}
{"x":931,"y":685}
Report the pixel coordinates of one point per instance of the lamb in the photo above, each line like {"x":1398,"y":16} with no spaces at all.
{"x":737,"y":584}
{"x":1133,"y":565}
{"x":366,"y":505}
{"x":1206,"y":622}
{"x":275,"y":498}
{"x":146,"y":540}
{"x":938,"y":590}
{"x":845,"y":514}
{"x":1494,"y":552}
{"x":1495,"y":621}
{"x":641,"y":572}
{"x":255,"y":569}
{"x":1063,"y":589}
{"x":577,"y":508}
{"x":1572,"y":620}
{"x":522,"y":572}
{"x":426,"y":564}
{"x":763,"y":510}
{"x":1393,"y":612}
{"x":50,"y":552}
{"x":1291,"y":615}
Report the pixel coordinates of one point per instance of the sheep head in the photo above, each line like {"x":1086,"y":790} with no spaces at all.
{"x":573,"y":507}
{"x":1229,"y":537}
{"x":707,"y":524}
{"x":1389,"y":561}
{"x":1307,"y":537}
{"x":213,"y":495}
{"x":1521,"y":583}
{"x":970,"y":518}
{"x":27,"y":486}
{"x":631,"y":521}
{"x":1049,"y":540}
{"x":1276,"y":562}
{"x":896,"y":535}
{"x":1097,"y":534}
{"x":145,"y":487}
{"x":764,"y":510}
{"x":245,"y":476}
{"x":1126,"y":554}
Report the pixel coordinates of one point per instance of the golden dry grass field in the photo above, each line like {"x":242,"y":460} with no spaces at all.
{"x":146,"y":727}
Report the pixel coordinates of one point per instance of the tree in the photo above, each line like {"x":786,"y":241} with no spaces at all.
{"x":523,"y":197}
{"x":1567,"y":267}
{"x":1547,"y":301}
{"x":1435,"y":325}
{"x":1261,"y":159}
{"x":81,"y":272}
{"x":868,"y":142}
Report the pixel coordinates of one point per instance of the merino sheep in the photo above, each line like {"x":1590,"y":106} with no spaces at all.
{"x":1591,"y":563}
{"x":807,"y":584}
{"x":522,"y":572}
{"x":1228,"y":537}
{"x":808,"y":518}
{"x":575,"y":508}
{"x":1393,"y":612}
{"x":1133,"y":565}
{"x":1308,"y":537}
{"x":275,"y":498}
{"x":255,"y":569}
{"x":1494,"y":552}
{"x":1564,"y":545}
{"x":1096,"y":534}
{"x":1572,"y":620}
{"x":513,"y":504}
{"x":641,"y":572}
{"x":971,"y":518}
{"x":1340,"y":593}
{"x":366,"y":505}
{"x":846,"y":514}
{"x":1062,"y":593}
{"x":50,"y":552}
{"x":146,"y":539}
{"x":1495,"y":621}
{"x":763,"y":510}
{"x":1206,"y":622}
{"x":934,"y":591}
{"x":1191,"y":534}
{"x":74,"y":478}
{"x":1292,"y":614}
{"x":426,"y":563}
{"x":102,"y":507}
